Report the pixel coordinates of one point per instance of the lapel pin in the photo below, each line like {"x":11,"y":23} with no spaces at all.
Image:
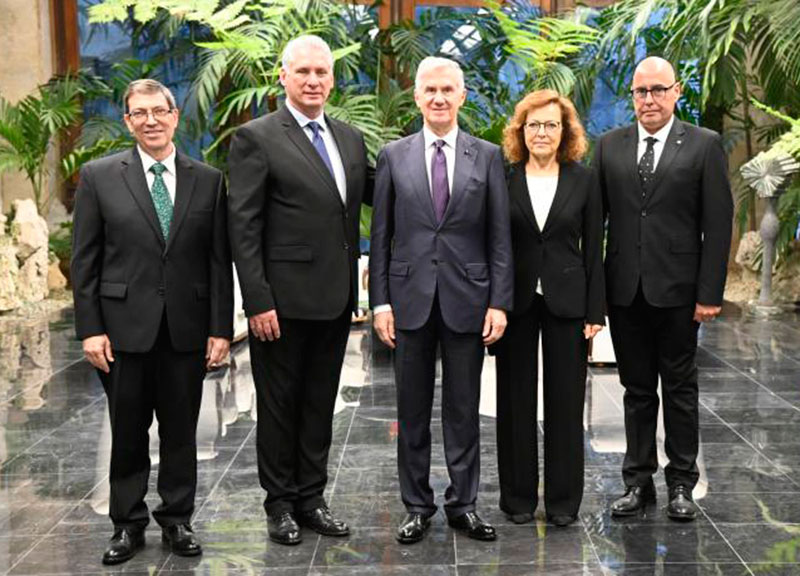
{"x":678,"y":142}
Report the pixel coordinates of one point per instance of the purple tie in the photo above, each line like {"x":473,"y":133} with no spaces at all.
{"x":439,"y":186}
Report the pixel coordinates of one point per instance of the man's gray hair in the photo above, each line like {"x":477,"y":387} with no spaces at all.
{"x":432,"y":63}
{"x":305,"y":42}
{"x":148,"y":86}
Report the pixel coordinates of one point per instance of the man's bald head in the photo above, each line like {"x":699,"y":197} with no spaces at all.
{"x":655,"y":92}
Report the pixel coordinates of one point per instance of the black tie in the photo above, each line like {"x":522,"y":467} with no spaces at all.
{"x":647,"y":162}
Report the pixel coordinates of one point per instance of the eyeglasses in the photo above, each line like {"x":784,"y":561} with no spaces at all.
{"x":549,"y":127}
{"x":140,"y":115}
{"x":658,"y":92}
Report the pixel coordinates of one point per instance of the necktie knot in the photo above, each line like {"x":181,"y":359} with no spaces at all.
{"x":315,"y":128}
{"x":158,"y":168}
{"x":650,"y":140}
{"x":439,"y":144}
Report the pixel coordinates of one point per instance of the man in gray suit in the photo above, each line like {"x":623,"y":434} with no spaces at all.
{"x":440,"y":273}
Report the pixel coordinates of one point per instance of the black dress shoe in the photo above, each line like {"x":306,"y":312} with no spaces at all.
{"x":561,"y":520}
{"x":181,"y":540}
{"x":123,"y":546}
{"x":283,"y":529}
{"x":413,"y":527}
{"x":474,"y":527}
{"x":681,"y":507}
{"x":634,"y":499}
{"x":520,"y":518}
{"x":321,"y":521}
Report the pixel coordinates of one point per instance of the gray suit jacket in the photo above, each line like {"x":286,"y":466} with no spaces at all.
{"x":466,"y":258}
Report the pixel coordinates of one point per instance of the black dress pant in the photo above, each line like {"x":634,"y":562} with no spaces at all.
{"x":171,"y":384}
{"x":648,"y":342}
{"x":415,"y":369}
{"x":564,"y":354}
{"x":296,"y":379}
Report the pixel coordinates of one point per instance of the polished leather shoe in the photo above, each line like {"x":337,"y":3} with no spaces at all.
{"x":634,"y":499}
{"x":283,"y":529}
{"x":321,"y":521}
{"x":561,"y":520}
{"x":413,"y":527}
{"x":520,"y":518}
{"x":681,"y":507}
{"x":181,"y":540}
{"x":123,"y":546}
{"x":474,"y":527}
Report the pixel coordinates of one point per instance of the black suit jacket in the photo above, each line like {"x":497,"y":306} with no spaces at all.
{"x":295,"y":243}
{"x":674,"y":238}
{"x":125,"y":276}
{"x":465,"y":259}
{"x":567,"y":253}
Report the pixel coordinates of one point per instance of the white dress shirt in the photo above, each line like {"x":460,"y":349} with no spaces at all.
{"x":658,"y":146}
{"x":169,"y":175}
{"x":330,"y":145}
{"x":449,"y":150}
{"x":542,"y":190}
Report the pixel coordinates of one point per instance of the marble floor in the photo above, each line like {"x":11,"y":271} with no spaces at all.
{"x":55,"y":439}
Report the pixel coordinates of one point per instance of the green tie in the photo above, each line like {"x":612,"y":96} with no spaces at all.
{"x":161,"y":199}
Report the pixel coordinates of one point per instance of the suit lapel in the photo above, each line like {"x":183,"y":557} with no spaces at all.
{"x":671,"y":148}
{"x":419,"y":177}
{"x":630,"y":157}
{"x":299,"y":138}
{"x":521,"y":195}
{"x":133,"y":175}
{"x":465,"y":157}
{"x":563,"y":187}
{"x":184,"y":185}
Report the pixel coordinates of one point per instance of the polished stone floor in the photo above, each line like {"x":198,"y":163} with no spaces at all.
{"x":54,"y":446}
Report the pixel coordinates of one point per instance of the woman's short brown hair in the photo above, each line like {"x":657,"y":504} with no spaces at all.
{"x":573,"y":137}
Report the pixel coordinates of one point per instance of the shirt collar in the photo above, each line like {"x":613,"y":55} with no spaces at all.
{"x":303,"y":120}
{"x":449,"y":138}
{"x":148,"y":161}
{"x":661,"y":135}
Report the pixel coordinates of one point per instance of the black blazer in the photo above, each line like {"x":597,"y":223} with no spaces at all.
{"x":295,"y":244}
{"x":124,"y":276}
{"x":567,"y":253}
{"x":465,"y":259}
{"x":674,"y":237}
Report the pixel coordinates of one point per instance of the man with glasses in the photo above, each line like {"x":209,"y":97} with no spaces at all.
{"x":669,"y":208}
{"x":153,"y":287}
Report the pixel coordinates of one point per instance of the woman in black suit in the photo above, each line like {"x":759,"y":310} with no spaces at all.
{"x":557,"y":234}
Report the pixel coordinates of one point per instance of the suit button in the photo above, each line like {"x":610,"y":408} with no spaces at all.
{"x":434,"y":261}
{"x":644,"y":213}
{"x":346,"y":246}
{"x":160,"y":290}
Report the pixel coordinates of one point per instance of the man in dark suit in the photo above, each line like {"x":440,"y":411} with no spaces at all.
{"x":440,"y":274}
{"x":153,"y":287}
{"x":669,"y":207}
{"x":297,"y":178}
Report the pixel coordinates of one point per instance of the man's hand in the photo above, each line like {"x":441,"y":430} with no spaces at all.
{"x":216,"y":351}
{"x":265,"y":325}
{"x":494,"y":324}
{"x":591,"y":330}
{"x":384,"y":326}
{"x":703,"y":313}
{"x":97,"y":350}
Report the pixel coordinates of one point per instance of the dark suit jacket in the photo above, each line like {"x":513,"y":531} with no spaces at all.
{"x":294,"y":242}
{"x":567,"y":254}
{"x":125,"y":276}
{"x":674,"y":237}
{"x":466,"y":258}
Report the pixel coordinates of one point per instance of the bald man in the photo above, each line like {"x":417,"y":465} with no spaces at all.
{"x":669,"y":208}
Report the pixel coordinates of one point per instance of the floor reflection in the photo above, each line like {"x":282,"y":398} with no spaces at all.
{"x":55,"y":438}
